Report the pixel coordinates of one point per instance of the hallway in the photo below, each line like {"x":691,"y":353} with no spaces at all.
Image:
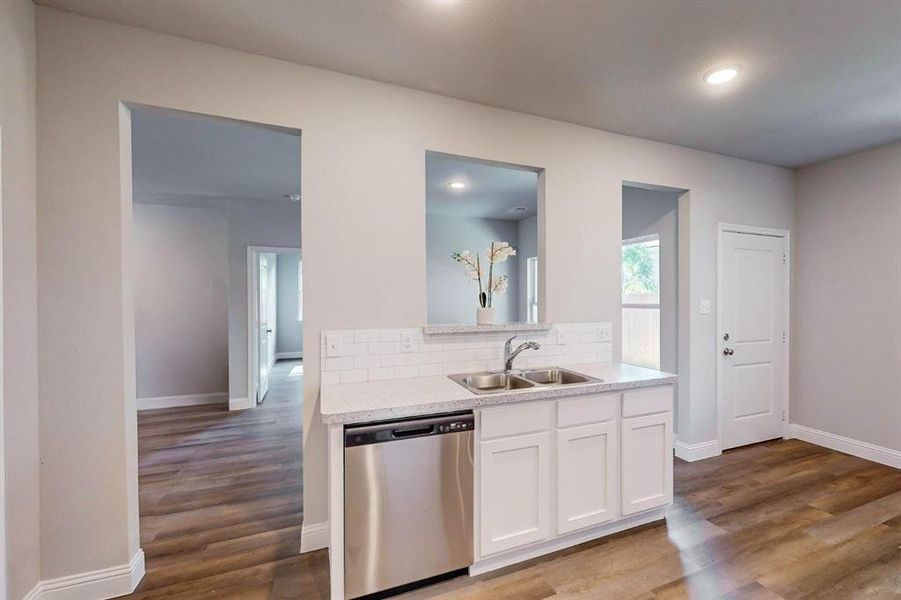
{"x":221,"y":496}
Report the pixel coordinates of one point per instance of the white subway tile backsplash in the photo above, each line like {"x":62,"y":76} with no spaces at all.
{"x":389,"y":335}
{"x":384,"y":347}
{"x":429,"y":370}
{"x":405,"y":372}
{"x":368,"y":361}
{"x":381,"y":373}
{"x":339,"y":364}
{"x":393,"y":360}
{"x":354,"y":375}
{"x":373,"y":354}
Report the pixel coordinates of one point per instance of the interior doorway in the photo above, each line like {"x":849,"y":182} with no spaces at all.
{"x":216,"y":471}
{"x":650,"y":278}
{"x":275,"y":313}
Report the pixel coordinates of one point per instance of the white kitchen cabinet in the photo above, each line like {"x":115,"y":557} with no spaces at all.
{"x":647,"y":462}
{"x":587,"y":467}
{"x":515,"y":491}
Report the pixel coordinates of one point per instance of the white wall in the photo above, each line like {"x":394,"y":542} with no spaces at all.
{"x":289,"y":336}
{"x":648,"y":212}
{"x":453,"y":296}
{"x":363,"y":181}
{"x":181,"y":308}
{"x":846,"y":297}
{"x":18,"y":318}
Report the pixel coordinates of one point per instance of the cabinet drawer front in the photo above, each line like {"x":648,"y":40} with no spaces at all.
{"x":515,"y":419}
{"x":584,"y":410}
{"x":648,"y":401}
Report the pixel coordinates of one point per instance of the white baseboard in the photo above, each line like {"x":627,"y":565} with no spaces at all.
{"x":516,"y":556}
{"x":185,"y":400}
{"x":239,"y":403}
{"x":94,"y":585}
{"x":33,"y":594}
{"x":288,"y":355}
{"x":314,"y":536}
{"x":880,"y":454}
{"x":699,"y":451}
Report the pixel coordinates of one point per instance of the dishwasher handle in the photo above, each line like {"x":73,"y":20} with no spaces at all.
{"x":395,"y":431}
{"x":413,"y":431}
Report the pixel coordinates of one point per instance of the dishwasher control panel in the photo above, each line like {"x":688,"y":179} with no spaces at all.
{"x":416,"y":427}
{"x":462,"y":425}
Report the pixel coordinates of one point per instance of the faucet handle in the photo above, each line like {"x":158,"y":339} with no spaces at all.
{"x":508,"y":345}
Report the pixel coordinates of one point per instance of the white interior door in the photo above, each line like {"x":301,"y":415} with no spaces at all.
{"x":753,"y":333}
{"x":266,"y":322}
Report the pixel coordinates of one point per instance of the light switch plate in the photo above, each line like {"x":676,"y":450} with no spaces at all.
{"x":705,"y":307}
{"x":332,"y":345}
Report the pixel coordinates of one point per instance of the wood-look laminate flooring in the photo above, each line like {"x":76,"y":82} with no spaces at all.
{"x":783,"y":519}
{"x":221,"y":495}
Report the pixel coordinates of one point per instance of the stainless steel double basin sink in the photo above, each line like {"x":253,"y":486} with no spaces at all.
{"x":495,"y":382}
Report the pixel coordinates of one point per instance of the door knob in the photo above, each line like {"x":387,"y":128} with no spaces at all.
{"x":728,"y":351}
{"x":268,"y":331}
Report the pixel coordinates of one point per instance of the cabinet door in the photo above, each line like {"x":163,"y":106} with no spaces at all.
{"x":647,"y":462}
{"x":587,"y":463}
{"x":515,"y":483}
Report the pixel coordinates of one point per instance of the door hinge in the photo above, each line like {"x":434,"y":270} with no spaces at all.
{"x":783,"y":258}
{"x":783,"y":337}
{"x":783,"y":416}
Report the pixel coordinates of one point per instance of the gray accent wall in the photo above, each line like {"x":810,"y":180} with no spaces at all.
{"x":527,"y":247}
{"x":181,"y":300}
{"x":846,"y":298}
{"x":289,"y":331}
{"x":452,"y":295}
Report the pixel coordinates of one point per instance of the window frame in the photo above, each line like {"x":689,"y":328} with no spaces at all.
{"x":653,"y":237}
{"x":300,"y":289}
{"x":532,"y":289}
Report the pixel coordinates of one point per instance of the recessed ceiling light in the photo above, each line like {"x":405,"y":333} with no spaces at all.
{"x":457,"y":185}
{"x":721,"y":75}
{"x":293,"y":197}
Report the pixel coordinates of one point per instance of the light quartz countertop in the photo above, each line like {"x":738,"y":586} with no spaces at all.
{"x":398,"y":398}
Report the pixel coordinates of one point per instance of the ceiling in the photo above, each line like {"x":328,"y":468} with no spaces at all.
{"x":820,"y":78}
{"x":182,"y":157}
{"x":492,"y":191}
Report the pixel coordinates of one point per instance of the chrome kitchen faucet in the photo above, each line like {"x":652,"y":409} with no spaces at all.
{"x":509,"y":355}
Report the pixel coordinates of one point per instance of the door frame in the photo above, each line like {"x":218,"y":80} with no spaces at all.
{"x":253,"y":302}
{"x":785,"y":234}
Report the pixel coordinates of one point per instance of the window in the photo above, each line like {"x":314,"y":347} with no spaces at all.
{"x":641,"y":301}
{"x":532,"y":289}
{"x":300,"y":289}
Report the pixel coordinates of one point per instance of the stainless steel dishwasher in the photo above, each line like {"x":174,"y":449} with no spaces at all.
{"x":407,"y":501}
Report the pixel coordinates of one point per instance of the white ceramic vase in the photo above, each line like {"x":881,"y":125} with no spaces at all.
{"x":485,"y":316}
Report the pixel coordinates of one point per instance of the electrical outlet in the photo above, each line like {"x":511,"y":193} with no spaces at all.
{"x":604,"y":335}
{"x":406,"y":342}
{"x":332,"y":345}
